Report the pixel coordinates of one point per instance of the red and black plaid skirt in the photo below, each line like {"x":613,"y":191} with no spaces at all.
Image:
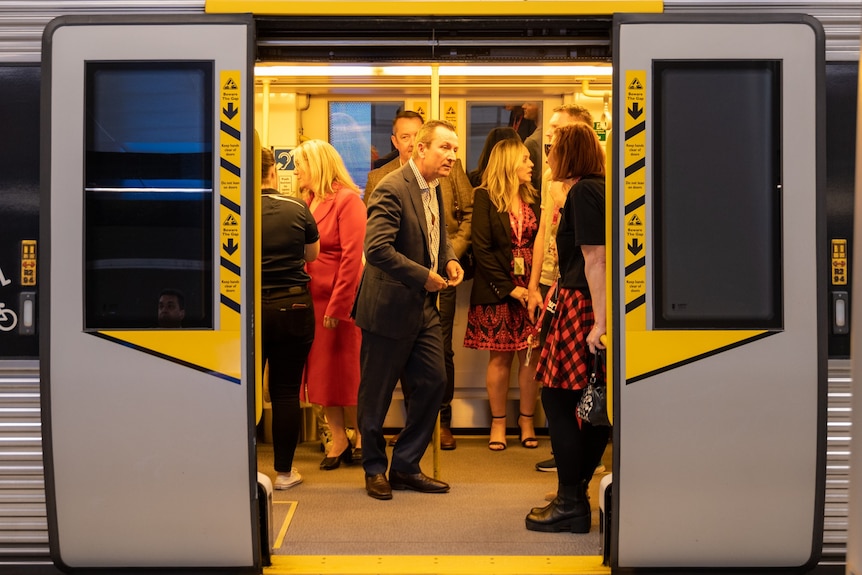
{"x":565,"y":359}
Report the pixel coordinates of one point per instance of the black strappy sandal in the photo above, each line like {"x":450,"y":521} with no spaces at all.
{"x":528,"y":442}
{"x":497,"y":445}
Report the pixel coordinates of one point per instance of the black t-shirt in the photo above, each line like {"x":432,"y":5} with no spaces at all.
{"x":286,"y":227}
{"x":582,"y":224}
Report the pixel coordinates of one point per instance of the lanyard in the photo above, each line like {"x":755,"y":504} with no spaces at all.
{"x":519,"y":230}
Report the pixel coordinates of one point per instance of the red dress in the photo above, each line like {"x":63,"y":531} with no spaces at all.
{"x":331,"y":375}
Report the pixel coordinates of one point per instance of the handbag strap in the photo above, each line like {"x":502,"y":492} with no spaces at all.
{"x":596,"y":365}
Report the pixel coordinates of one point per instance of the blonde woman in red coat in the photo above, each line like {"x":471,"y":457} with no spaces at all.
{"x":331,"y":376}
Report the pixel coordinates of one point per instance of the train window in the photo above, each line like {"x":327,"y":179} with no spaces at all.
{"x":360,"y":132}
{"x":148,"y":193}
{"x":482,"y":117}
{"x":717,"y":194}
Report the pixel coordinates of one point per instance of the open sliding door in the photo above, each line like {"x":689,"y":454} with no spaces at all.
{"x":719,"y":273}
{"x":148,"y":417}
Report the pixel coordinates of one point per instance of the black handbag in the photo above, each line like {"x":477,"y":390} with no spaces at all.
{"x":593,"y":407}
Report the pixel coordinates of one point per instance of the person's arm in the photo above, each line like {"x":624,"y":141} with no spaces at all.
{"x":491,"y":257}
{"x":312,"y":251}
{"x":534,"y":298}
{"x":594,"y":268}
{"x":463,"y":192}
{"x":350,"y":214}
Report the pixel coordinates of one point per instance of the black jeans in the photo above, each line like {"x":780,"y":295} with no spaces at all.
{"x":577,"y":450}
{"x":288,"y":330}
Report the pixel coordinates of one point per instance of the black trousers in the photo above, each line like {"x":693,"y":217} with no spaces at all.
{"x":577,"y":450}
{"x":288,"y":330}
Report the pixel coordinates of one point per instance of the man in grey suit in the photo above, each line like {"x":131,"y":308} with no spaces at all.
{"x":409,"y":259}
{"x":457,"y":193}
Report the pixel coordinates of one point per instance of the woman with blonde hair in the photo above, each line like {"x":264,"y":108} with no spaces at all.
{"x":332,"y":372}
{"x":505,"y":222}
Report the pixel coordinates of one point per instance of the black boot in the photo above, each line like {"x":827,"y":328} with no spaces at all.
{"x":570,"y":511}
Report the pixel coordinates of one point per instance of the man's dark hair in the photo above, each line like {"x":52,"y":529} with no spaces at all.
{"x":181,"y":299}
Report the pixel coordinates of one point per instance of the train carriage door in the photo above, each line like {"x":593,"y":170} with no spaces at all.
{"x":718,"y":263}
{"x":147,"y":357}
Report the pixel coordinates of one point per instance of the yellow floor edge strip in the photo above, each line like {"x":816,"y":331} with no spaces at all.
{"x":279,"y":540}
{"x":435,"y":565}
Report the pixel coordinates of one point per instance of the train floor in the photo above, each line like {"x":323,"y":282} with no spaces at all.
{"x":329,"y":513}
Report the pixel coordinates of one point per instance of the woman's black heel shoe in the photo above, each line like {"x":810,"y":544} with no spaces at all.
{"x":497,"y":445}
{"x":330,"y":463}
{"x":528,"y":442}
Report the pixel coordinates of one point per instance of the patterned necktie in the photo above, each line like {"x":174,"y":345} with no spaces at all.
{"x":433,"y":228}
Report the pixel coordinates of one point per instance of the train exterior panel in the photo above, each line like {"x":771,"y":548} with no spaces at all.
{"x":24,"y":531}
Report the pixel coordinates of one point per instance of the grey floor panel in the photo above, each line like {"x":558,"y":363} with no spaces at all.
{"x":483,"y":514}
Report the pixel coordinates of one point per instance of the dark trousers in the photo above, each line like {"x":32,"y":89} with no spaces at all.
{"x":447,"y":302}
{"x":577,"y":450}
{"x":288,"y":330}
{"x":417,"y":360}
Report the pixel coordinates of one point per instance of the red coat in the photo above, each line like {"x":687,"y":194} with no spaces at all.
{"x":332,"y":371}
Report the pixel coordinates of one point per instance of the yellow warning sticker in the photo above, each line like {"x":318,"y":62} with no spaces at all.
{"x":230,"y":156}
{"x":634,"y":193}
{"x":421,"y":107}
{"x":450,"y":112}
{"x":839,"y":262}
{"x":28,"y":262}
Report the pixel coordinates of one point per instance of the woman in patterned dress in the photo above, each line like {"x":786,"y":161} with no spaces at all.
{"x":576,"y":158}
{"x":505,"y":221}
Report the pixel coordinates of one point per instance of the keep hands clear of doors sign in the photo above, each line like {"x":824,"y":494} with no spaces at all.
{"x":634,"y":189}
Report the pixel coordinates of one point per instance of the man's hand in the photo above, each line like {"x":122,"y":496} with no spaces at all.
{"x":455,"y":272}
{"x":435,"y":282}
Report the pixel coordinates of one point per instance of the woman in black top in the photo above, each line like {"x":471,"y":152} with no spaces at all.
{"x":289,"y":238}
{"x":576,"y":158}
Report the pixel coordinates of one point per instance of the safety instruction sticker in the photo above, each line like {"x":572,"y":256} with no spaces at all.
{"x":230,"y":155}
{"x":634,"y":191}
{"x":839,"y":262}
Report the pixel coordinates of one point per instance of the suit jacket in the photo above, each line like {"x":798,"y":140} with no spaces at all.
{"x":492,"y":248}
{"x":391,"y":296}
{"x":456,"y":190}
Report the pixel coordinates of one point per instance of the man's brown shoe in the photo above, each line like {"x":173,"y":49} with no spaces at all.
{"x":416,"y":482}
{"x":378,"y":486}
{"x":447,"y":440}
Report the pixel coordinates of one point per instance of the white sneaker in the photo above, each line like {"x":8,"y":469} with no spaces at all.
{"x":287,"y":480}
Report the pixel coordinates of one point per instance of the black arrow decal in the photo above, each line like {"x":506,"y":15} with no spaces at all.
{"x":230,"y":111}
{"x":635,"y":111}
{"x":230,"y":247}
{"x":635,"y":247}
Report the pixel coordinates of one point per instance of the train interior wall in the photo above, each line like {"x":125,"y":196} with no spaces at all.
{"x":298,"y":114}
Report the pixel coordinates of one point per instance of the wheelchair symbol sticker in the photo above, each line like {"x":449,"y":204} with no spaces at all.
{"x":8,"y":318}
